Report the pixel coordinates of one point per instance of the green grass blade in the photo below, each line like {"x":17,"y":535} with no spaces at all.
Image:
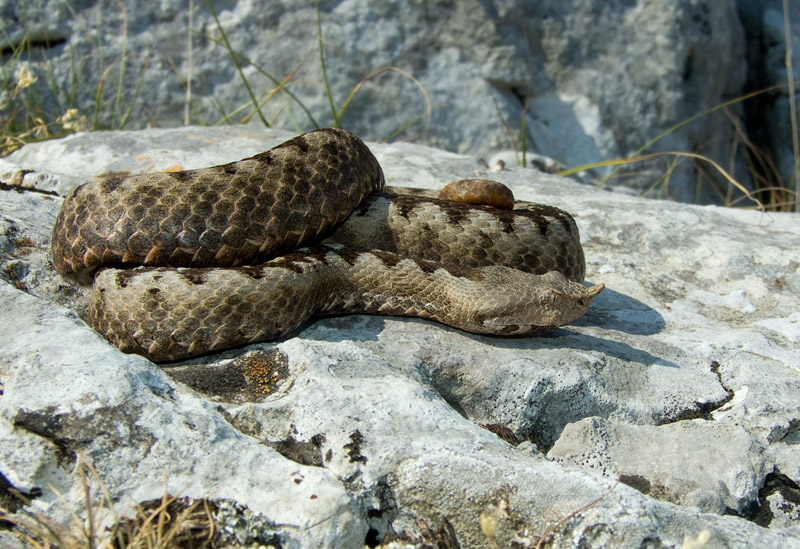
{"x":238,"y":65}
{"x":224,"y":118}
{"x":407,"y":124}
{"x":138,"y":87}
{"x":324,"y":72}
{"x":122,"y":62}
{"x":98,"y":99}
{"x":52,"y":85}
{"x":228,"y":118}
{"x":75,"y":76}
{"x":187,"y":110}
{"x":523,"y":132}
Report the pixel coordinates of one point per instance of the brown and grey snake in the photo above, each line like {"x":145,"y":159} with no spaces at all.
{"x":221,"y":265}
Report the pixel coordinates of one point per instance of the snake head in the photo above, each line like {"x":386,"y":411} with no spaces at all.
{"x":562,"y":301}
{"x":539,"y":302}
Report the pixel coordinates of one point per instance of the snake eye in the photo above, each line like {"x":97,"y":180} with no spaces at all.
{"x":582,"y":303}
{"x":555,"y":294}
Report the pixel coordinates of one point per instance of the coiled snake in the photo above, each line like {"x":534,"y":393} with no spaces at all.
{"x":221,"y":268}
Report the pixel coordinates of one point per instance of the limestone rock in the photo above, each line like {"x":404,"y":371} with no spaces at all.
{"x":365,"y":429}
{"x":715,"y":467}
{"x":592,"y":80}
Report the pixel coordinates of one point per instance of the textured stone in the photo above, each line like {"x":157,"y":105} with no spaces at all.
{"x":358,"y":428}
{"x":715,"y":467}
{"x":603,"y":78}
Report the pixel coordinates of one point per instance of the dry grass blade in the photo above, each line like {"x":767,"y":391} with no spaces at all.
{"x":428,"y":108}
{"x":98,"y":98}
{"x":765,"y":174}
{"x":280,"y":87}
{"x":622,"y":161}
{"x":787,"y":34}
{"x":36,"y":530}
{"x":563,"y":521}
{"x":126,"y":115}
{"x":682,"y":123}
{"x":168,"y":522}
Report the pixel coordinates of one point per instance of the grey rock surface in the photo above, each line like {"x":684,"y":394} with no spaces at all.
{"x":682,"y":382}
{"x":592,"y":80}
{"x":715,"y":467}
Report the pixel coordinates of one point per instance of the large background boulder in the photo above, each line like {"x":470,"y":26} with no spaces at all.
{"x":587,"y":80}
{"x":682,"y":383}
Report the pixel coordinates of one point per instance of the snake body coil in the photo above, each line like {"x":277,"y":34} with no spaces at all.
{"x":222,"y":238}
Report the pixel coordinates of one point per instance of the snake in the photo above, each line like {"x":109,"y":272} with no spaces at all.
{"x":193,"y":262}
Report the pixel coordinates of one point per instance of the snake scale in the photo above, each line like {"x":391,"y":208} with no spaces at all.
{"x":219,"y":264}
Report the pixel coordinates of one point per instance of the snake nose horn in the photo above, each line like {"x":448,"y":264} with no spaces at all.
{"x":594,"y":290}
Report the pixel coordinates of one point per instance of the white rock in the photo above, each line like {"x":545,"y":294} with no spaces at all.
{"x":141,"y":433}
{"x":788,"y":327}
{"x":715,"y":467}
{"x":372,"y":423}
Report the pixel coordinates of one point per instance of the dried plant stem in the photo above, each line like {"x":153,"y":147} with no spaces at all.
{"x":560,"y":523}
{"x":720,"y":170}
{"x":792,"y":102}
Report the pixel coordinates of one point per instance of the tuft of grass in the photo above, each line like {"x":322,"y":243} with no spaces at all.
{"x":427,"y":113}
{"x":164,"y":523}
{"x":770,"y":193}
{"x":771,"y":190}
{"x":519,"y":139}
{"x":21,"y":118}
{"x":281,"y":86}
{"x":24,"y":120}
{"x":24,"y":90}
{"x":169,"y":522}
{"x":677,"y":154}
